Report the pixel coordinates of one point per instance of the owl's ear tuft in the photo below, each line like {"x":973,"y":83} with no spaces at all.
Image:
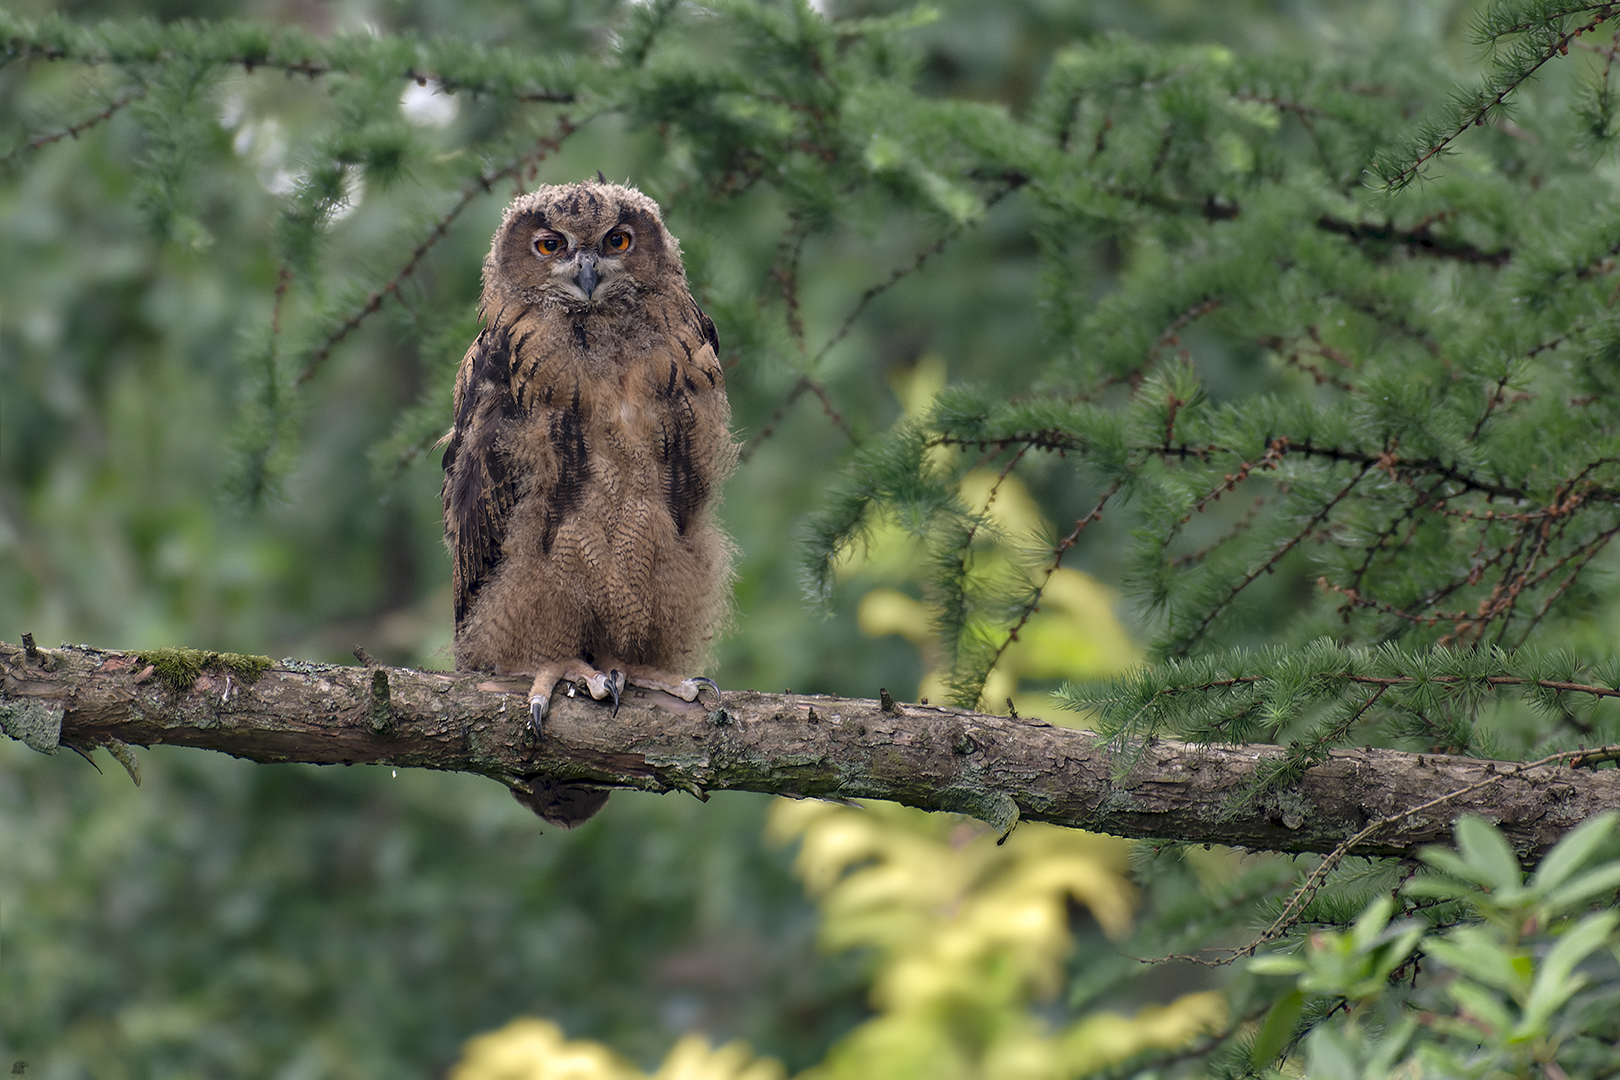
{"x":600,"y":179}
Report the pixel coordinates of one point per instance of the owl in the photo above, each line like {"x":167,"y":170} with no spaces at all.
{"x":591,"y":437}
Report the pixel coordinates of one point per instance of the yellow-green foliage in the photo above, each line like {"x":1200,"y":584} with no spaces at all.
{"x":529,"y":1049}
{"x":968,"y":936}
{"x":179,"y":668}
{"x":1073,"y":635}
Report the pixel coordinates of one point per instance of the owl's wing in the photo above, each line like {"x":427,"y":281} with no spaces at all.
{"x":697,"y":451}
{"x":479,"y":488}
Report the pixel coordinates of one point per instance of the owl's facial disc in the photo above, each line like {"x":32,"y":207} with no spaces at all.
{"x":586,"y":267}
{"x":601,"y":264}
{"x":584,"y":271}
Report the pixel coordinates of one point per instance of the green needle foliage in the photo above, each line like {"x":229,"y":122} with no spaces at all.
{"x":1431,"y":462}
{"x":1324,"y":695}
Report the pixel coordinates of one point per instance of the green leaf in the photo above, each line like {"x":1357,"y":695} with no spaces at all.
{"x":1449,"y":862}
{"x":1604,"y":879}
{"x":1279,"y":964}
{"x":1555,"y":980}
{"x":1570,"y":853}
{"x":1484,"y":1006}
{"x":1476,"y":952}
{"x":1371,"y":922}
{"x":1488,"y":854}
{"x":1278,"y":1030}
{"x":1331,"y":1052}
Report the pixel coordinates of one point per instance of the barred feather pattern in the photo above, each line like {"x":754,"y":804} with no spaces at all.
{"x":589,"y":447}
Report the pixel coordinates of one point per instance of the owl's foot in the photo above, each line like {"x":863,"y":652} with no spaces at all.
{"x":685,"y":689}
{"x":696,"y":684}
{"x":608,"y":685}
{"x":599,"y":684}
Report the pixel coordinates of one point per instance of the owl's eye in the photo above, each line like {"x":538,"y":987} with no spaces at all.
{"x":547,"y":243}
{"x":618,"y":240}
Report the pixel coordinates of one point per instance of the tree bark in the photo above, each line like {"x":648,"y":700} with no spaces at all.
{"x":996,"y":768}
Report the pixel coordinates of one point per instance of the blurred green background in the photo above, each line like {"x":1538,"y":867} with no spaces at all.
{"x":227,"y":919}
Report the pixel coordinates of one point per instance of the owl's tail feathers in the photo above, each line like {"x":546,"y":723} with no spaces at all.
{"x":563,"y":805}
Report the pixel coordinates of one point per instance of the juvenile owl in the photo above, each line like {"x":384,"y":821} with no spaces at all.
{"x":591,"y":437}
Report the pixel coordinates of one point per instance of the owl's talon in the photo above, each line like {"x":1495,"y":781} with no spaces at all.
{"x":615,"y":684}
{"x":704,"y":680}
{"x":537,"y":711}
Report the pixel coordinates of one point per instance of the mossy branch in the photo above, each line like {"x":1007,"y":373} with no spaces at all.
{"x":999,"y":769}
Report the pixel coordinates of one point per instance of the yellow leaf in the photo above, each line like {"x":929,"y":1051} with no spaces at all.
{"x":1108,"y":1038}
{"x":530,"y":1049}
{"x":692,"y":1059}
{"x":1012,"y":509}
{"x":917,"y":386}
{"x":890,"y":611}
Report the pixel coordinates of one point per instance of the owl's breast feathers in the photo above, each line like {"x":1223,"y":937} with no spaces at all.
{"x":560,"y":419}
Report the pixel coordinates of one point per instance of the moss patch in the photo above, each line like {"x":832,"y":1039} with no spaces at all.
{"x":38,"y":726}
{"x":179,"y":668}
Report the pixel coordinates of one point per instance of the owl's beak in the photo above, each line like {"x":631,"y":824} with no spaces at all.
{"x":587,"y":277}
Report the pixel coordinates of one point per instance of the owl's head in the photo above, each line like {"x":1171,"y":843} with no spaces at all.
{"x":582,"y":246}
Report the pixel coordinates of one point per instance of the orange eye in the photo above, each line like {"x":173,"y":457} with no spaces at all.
{"x":547,"y":243}
{"x":618,"y":240}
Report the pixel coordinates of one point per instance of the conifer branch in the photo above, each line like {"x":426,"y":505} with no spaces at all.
{"x":1270,"y":564}
{"x":789,"y":282}
{"x":1236,"y":696}
{"x":1419,"y":238}
{"x":1517,"y":68}
{"x":972,"y":686}
{"x":73,"y":131}
{"x":999,"y":769}
{"x":146,"y":43}
{"x":485,"y":183}
{"x":1381,"y":682}
{"x":1168,"y":338}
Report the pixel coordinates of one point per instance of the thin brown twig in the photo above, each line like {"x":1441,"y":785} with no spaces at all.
{"x":1170,"y":336}
{"x":1559,"y":685}
{"x":1581,"y":558}
{"x":872,"y":292}
{"x":73,"y":131}
{"x":485,"y":183}
{"x":1295,"y":357}
{"x":805,"y":385}
{"x":792,"y":247}
{"x":1060,"y":549}
{"x":1276,"y":556}
{"x":789,"y":280}
{"x":1293,"y":911}
{"x":1296,"y":905}
{"x":995,"y":490}
{"x":1237,"y":530}
{"x":1558,"y":47}
{"x":832,"y":414}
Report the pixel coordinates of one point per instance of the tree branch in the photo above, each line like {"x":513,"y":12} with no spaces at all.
{"x":996,"y":768}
